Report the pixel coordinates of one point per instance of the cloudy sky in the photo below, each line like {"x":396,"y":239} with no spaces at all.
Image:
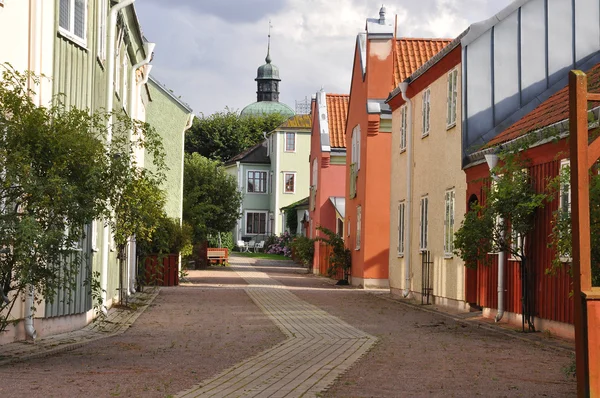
{"x":208,"y":51}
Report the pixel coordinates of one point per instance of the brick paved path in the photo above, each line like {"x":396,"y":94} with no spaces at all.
{"x":319,"y":347}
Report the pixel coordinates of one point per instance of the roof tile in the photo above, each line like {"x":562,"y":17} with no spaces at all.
{"x":412,"y":53}
{"x":555,"y":109}
{"x":298,"y":121}
{"x":337,"y":109}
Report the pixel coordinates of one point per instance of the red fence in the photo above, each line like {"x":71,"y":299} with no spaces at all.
{"x":551,"y":293}
{"x":162,"y":270}
{"x":324,"y":262}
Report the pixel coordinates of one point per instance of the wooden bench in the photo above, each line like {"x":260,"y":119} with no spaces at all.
{"x":221,"y":255}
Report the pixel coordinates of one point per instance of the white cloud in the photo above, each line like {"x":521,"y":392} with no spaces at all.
{"x":209,"y":55}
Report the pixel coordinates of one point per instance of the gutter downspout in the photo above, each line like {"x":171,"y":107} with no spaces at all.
{"x":148,"y":49}
{"x":492,"y":160}
{"x":110,"y":68}
{"x":241,"y":211}
{"x":409,"y":156}
{"x":34,"y":64}
{"x":29,"y":329}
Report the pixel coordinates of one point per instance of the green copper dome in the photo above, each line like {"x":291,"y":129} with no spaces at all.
{"x":268,"y":71}
{"x":266,"y":108}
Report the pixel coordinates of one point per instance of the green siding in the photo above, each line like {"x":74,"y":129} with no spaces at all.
{"x":169,"y":119}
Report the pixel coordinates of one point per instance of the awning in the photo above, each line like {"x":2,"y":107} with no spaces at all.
{"x":340,"y":205}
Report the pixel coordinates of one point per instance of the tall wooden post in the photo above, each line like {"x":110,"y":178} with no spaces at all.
{"x":587,"y":297}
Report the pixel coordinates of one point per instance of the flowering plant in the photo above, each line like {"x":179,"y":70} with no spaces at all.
{"x":282,"y":245}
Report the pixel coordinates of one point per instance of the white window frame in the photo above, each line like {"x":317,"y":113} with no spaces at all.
{"x":266,"y":183}
{"x":69,"y":32}
{"x":94,"y":236}
{"x":102,"y":24}
{"x":285,"y":141}
{"x":403,"y":122}
{"x":356,"y":146}
{"x":452,"y":99}
{"x":118,"y":71}
{"x":285,"y":174}
{"x":423,"y":222}
{"x":270,"y":182}
{"x":266,"y":213}
{"x":449,"y":211}
{"x":401,"y":227}
{"x":358,"y":226}
{"x":426,"y":111}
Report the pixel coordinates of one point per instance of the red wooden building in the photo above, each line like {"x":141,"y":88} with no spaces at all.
{"x":552,"y":302}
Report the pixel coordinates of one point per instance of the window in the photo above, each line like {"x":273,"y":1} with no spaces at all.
{"x":315,"y":173}
{"x":564,"y":202}
{"x":401,"y":208}
{"x":516,"y":242}
{"x":340,"y":228}
{"x":271,"y":182}
{"x":102,"y":12}
{"x":256,"y":182}
{"x":426,"y":110}
{"x":452,"y":98}
{"x":356,"y":146}
{"x":118,"y":71}
{"x":290,"y":142}
{"x":449,"y":223}
{"x":256,"y":222}
{"x":73,"y":20}
{"x":125,"y":79}
{"x":403,"y":117}
{"x":423,"y":223}
{"x":290,"y":182}
{"x":358,"y":219}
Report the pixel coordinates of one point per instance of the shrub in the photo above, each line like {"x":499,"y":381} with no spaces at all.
{"x":304,"y":248}
{"x":341,"y":257}
{"x":282,"y":245}
{"x":226,"y":240}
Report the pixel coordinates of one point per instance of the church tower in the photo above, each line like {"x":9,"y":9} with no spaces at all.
{"x":267,"y":79}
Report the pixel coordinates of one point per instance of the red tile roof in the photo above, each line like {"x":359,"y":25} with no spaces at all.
{"x":337,"y":110}
{"x":410,"y":54}
{"x":549,"y":112}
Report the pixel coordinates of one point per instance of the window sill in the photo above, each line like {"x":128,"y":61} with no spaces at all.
{"x":81,"y":43}
{"x":448,"y":256}
{"x":450,"y":126}
{"x":425,"y":135}
{"x":400,"y":255}
{"x":289,"y":193}
{"x":565,"y":259}
{"x":256,"y":193}
{"x":402,"y":150}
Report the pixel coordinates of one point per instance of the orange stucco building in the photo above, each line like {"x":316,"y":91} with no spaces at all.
{"x":328,"y":168}
{"x":380,"y":62}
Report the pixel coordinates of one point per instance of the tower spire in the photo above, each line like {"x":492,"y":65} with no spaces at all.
{"x":268,"y":58}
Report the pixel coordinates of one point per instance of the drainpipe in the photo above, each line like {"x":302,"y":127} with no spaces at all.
{"x":148,"y":49}
{"x":29,"y":329}
{"x":492,"y":161}
{"x":110,"y":69}
{"x":409,"y":162}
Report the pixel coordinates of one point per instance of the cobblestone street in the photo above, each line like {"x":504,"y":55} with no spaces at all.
{"x":262,"y":328}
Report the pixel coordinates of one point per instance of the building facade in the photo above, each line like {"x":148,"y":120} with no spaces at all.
{"x":427,"y":182}
{"x":327,"y":167}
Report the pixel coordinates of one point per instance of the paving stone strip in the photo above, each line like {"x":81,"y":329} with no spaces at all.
{"x":319,"y":348}
{"x":118,"y":320}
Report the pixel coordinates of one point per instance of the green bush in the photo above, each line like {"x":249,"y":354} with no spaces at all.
{"x":226,"y":240}
{"x":169,"y":237}
{"x":304,"y":248}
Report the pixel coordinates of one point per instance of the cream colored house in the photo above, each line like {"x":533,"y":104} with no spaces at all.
{"x":428,"y":186}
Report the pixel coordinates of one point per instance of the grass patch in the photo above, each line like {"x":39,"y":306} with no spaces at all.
{"x":263,"y":255}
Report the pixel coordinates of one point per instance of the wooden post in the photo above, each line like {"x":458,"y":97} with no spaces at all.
{"x":587,"y":297}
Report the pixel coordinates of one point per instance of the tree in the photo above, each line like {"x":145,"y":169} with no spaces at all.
{"x":56,"y":176}
{"x":504,"y":221}
{"x":211,"y":199}
{"x":223,"y":135}
{"x":561,"y":236}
